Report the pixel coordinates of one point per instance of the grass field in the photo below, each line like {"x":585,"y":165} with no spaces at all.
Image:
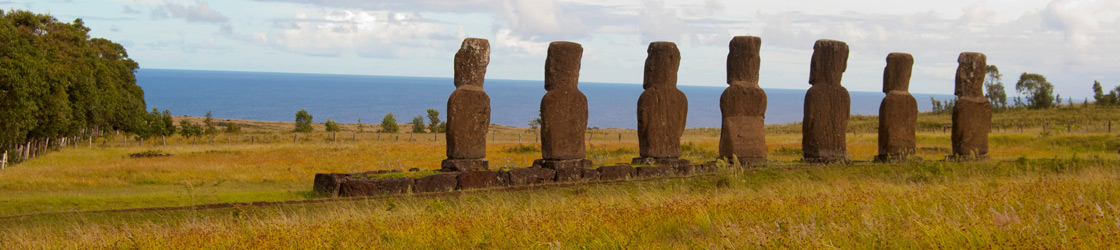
{"x":1053,"y":184}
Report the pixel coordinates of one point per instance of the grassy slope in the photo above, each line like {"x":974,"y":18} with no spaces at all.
{"x":1044,"y":188}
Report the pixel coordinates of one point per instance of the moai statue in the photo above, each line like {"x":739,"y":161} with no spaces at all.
{"x":563,"y":111}
{"x":662,"y":108}
{"x":972,"y":114}
{"x":827,"y":105}
{"x":898,"y":113}
{"x":743,"y":104}
{"x":468,"y":109}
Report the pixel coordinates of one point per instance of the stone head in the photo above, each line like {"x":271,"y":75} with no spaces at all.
{"x":662,"y":62}
{"x":971,"y":70}
{"x":830,"y":60}
{"x":561,"y":68}
{"x":471,"y":62}
{"x":896,"y":76}
{"x":743,"y":60}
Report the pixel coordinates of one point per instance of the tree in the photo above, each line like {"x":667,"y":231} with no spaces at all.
{"x":58,"y":82}
{"x":331,"y":125}
{"x":209,"y":123}
{"x":169,"y":125}
{"x":233,"y":128}
{"x":303,"y":121}
{"x":433,"y":121}
{"x":361,"y":127}
{"x":1037,"y":91}
{"x":536,"y":122}
{"x":418,"y":124}
{"x":996,"y":94}
{"x":389,"y":123}
{"x":1098,"y":94}
{"x":188,"y":129}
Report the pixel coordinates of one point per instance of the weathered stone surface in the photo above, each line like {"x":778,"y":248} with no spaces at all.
{"x":468,"y":107}
{"x":827,"y":105}
{"x":662,"y":108}
{"x":686,"y":169}
{"x":972,"y":111}
{"x":566,"y":170}
{"x":455,"y":165}
{"x":617,"y":172}
{"x":587,"y":174}
{"x":659,"y":161}
{"x":646,"y":172}
{"x":562,"y":164}
{"x":328,"y":184}
{"x":898,"y":113}
{"x":564,"y":107}
{"x":367,"y":187}
{"x":530,"y":176}
{"x":478,"y":179}
{"x":972,"y":114}
{"x":437,"y":183}
{"x":743,"y":104}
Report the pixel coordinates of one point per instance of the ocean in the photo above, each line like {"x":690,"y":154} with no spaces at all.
{"x":347,"y":98}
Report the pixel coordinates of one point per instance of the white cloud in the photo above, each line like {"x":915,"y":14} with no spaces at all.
{"x":353,"y":32}
{"x":200,"y":11}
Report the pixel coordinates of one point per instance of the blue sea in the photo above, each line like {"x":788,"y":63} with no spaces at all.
{"x":347,"y":98}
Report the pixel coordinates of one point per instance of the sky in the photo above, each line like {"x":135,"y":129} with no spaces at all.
{"x":1068,"y":41}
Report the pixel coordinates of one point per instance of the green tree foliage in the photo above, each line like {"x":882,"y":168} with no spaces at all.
{"x":189,"y":129}
{"x":940,"y":107}
{"x":56,"y":81}
{"x":303,"y":121}
{"x":536,"y":122}
{"x":418,"y":124}
{"x":332,"y":126}
{"x":209,"y":123}
{"x":168,"y":124}
{"x":1112,"y":98}
{"x":433,"y":121}
{"x":233,"y":128}
{"x":389,"y":123}
{"x":1038,"y":92}
{"x":995,"y":93}
{"x":361,"y":127}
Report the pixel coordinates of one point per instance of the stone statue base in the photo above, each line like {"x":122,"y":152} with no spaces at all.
{"x":896,"y":158}
{"x":660,"y":161}
{"x":566,"y":170}
{"x":750,"y":162}
{"x":460,"y":165}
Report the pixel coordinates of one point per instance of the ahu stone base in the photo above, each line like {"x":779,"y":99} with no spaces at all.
{"x":369,"y":183}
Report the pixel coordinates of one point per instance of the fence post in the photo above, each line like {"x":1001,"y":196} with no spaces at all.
{"x":295,"y":136}
{"x":334,"y":136}
{"x":410,"y":134}
{"x":4,"y":163}
{"x":518,"y":137}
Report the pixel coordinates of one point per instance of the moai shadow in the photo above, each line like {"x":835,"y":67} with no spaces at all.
{"x":972,"y":114}
{"x":468,"y":109}
{"x":743,"y":105}
{"x":898,"y":113}
{"x":563,"y":113}
{"x":827,"y":105}
{"x":662,"y":108}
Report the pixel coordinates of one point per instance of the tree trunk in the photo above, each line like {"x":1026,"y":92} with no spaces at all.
{"x":334,"y":136}
{"x":163,"y":139}
{"x":141,"y":142}
{"x":4,"y":163}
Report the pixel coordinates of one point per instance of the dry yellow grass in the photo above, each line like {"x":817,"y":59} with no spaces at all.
{"x":1041,"y":189}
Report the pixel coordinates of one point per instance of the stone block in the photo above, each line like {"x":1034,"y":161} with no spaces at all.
{"x":445,"y":182}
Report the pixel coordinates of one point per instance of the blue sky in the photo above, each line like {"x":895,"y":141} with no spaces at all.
{"x":1072,"y":42}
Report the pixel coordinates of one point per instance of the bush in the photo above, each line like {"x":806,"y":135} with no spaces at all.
{"x":418,"y":124}
{"x":331,"y":126}
{"x":389,"y":123}
{"x":303,"y":121}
